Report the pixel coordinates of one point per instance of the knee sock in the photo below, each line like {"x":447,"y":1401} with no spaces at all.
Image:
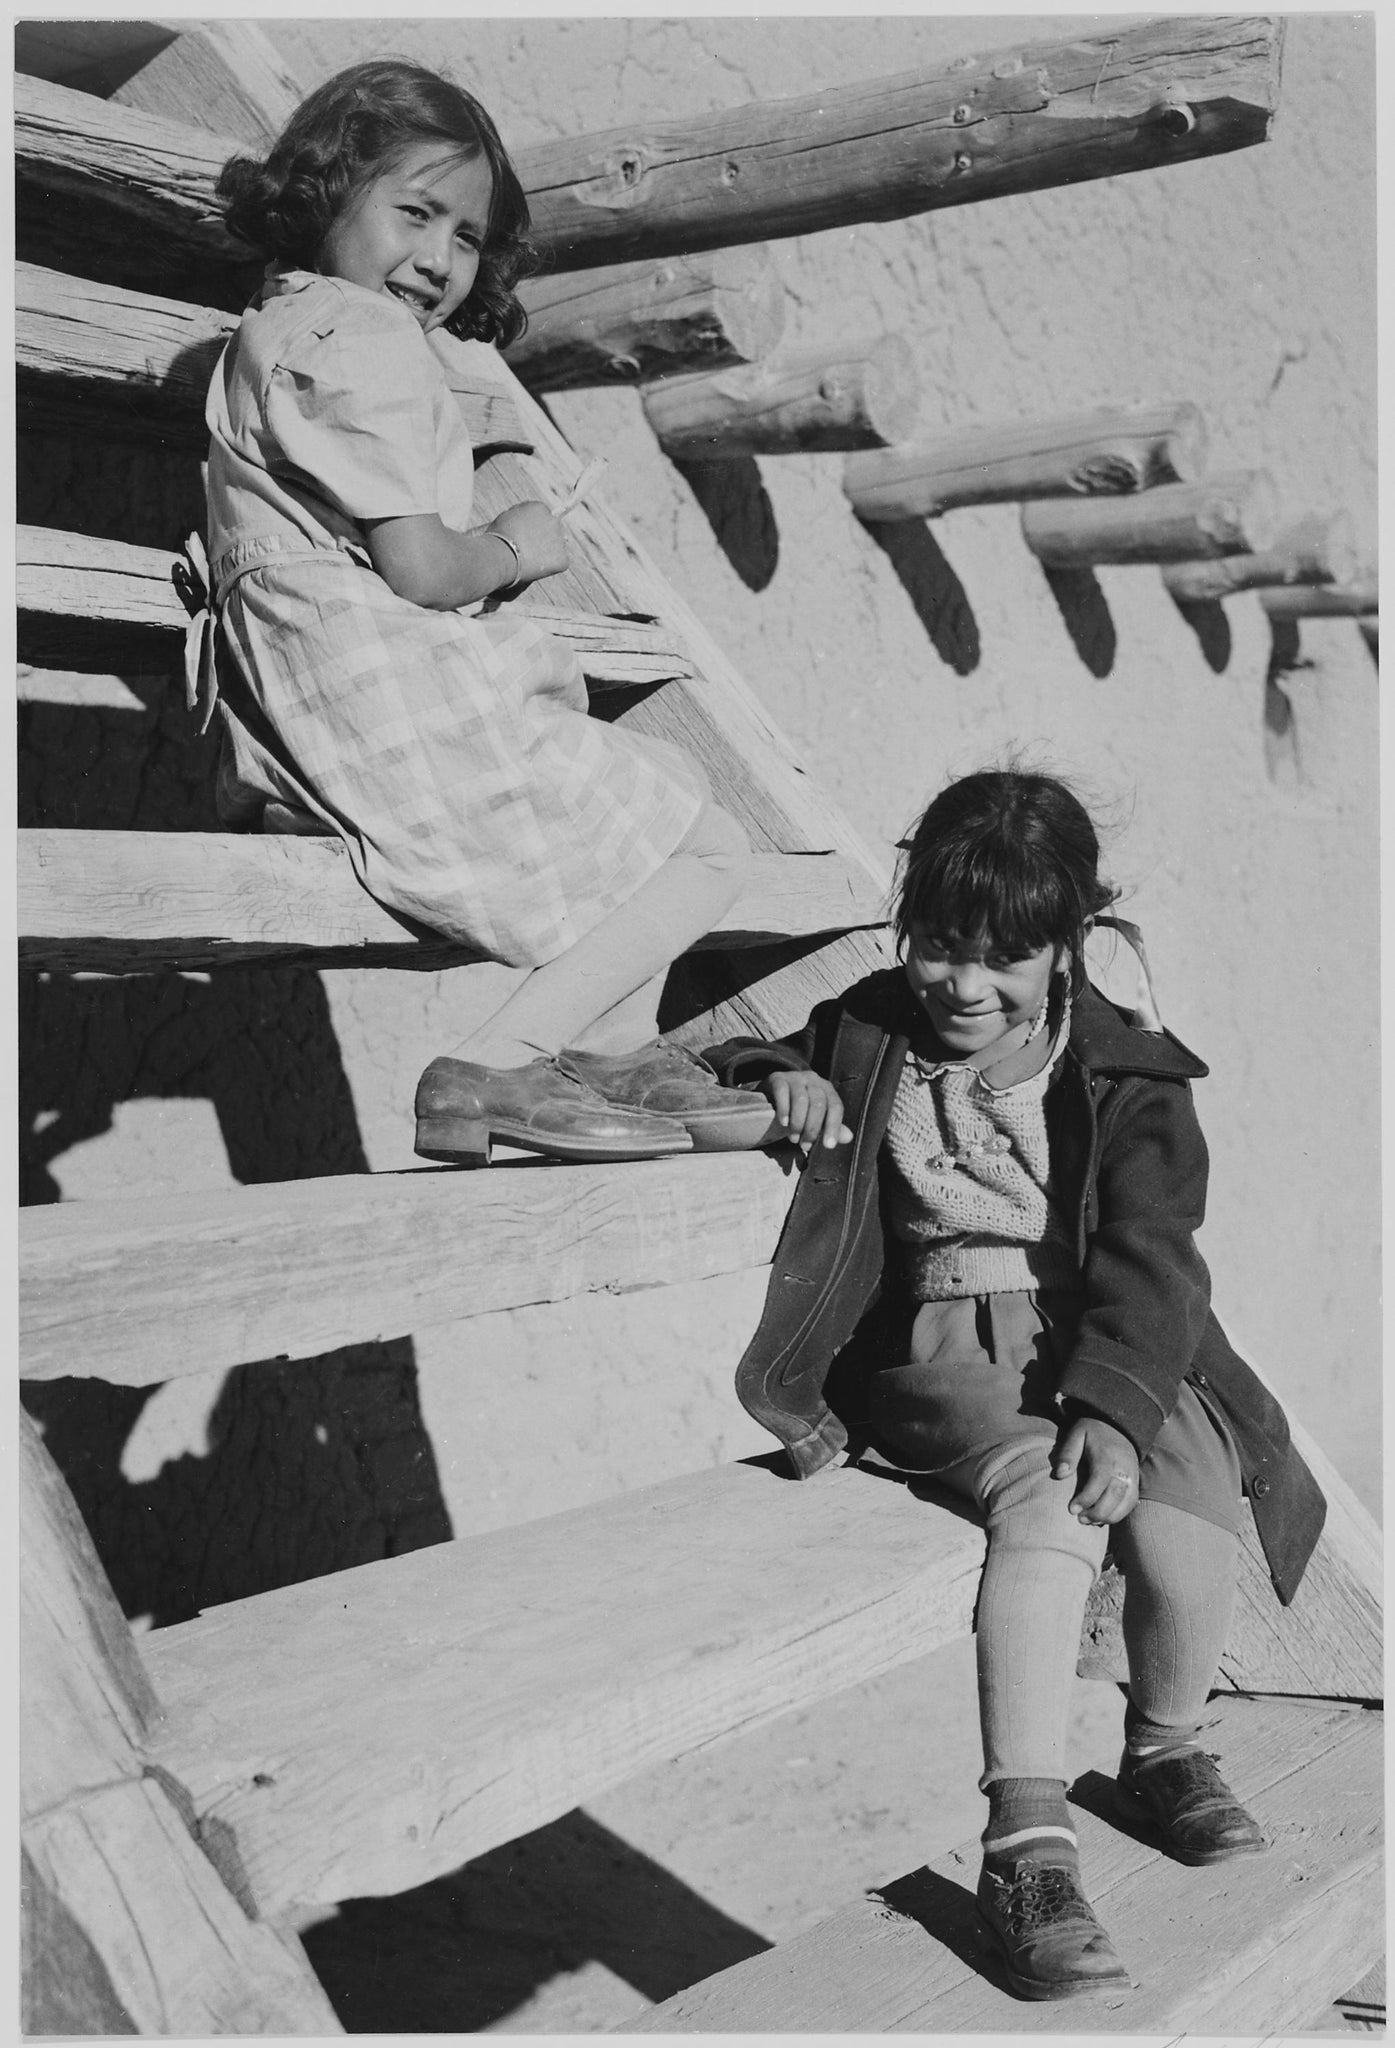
{"x":1028,"y":1820}
{"x":1179,"y":1580}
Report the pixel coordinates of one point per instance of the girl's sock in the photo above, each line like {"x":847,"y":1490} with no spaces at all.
{"x":1145,"y":1739}
{"x":1028,"y":1819}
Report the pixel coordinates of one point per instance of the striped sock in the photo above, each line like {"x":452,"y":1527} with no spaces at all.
{"x":1145,"y":1739}
{"x":1028,"y":1819}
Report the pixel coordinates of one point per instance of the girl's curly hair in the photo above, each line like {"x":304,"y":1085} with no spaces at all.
{"x":1009,"y":854}
{"x":347,"y":132}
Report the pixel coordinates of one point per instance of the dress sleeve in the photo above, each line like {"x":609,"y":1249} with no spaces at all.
{"x":353,"y":412}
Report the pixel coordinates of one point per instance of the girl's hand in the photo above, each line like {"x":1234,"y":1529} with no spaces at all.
{"x":809,"y":1108}
{"x":1108,"y":1466}
{"x":540,"y":539}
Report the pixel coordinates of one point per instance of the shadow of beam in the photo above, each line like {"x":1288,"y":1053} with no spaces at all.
{"x":940,"y":600}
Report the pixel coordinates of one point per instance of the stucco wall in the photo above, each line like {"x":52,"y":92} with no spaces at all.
{"x":1241,"y":811}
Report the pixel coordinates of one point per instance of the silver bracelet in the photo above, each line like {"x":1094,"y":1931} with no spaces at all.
{"x":513,"y":581}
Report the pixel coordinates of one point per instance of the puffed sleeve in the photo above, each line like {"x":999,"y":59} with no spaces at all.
{"x":353,"y":412}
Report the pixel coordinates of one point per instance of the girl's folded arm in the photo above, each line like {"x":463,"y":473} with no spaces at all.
{"x":422,"y":559}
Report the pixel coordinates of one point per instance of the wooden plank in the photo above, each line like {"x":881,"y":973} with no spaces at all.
{"x":1015,"y":120}
{"x":1225,"y":515}
{"x":180,"y":1954}
{"x":124,"y":902}
{"x":141,"y":1292}
{"x":82,"y":595}
{"x":86,"y":1703}
{"x":530,"y":1668}
{"x":625,"y":321}
{"x":1354,"y":600}
{"x":118,"y":187}
{"x":227,"y":72}
{"x":87,"y":50}
{"x":1109,"y":452}
{"x":121,"y":360}
{"x":857,"y":394}
{"x":1238,"y":1948}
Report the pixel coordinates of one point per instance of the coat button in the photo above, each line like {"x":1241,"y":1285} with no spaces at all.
{"x":1199,"y":1379}
{"x":1259,"y":1486}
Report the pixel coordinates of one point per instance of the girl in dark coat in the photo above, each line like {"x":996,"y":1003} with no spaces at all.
{"x":1002,"y":1231}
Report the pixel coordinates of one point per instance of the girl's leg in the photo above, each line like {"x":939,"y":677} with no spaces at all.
{"x":602,"y":994}
{"x":1179,"y":1596}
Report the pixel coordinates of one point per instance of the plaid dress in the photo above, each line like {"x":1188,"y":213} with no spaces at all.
{"x":452,"y":753}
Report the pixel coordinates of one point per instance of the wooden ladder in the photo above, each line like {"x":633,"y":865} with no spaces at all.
{"x":189,"y":1794}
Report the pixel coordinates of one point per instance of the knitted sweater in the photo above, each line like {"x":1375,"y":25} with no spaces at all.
{"x":970,"y":1193}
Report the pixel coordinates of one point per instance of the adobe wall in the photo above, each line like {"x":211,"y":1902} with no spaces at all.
{"x":1241,"y":803}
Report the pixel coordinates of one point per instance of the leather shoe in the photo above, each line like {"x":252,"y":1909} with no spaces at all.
{"x":1051,"y":1944}
{"x":666,"y":1080}
{"x":461,"y":1106}
{"x":1187,"y":1801}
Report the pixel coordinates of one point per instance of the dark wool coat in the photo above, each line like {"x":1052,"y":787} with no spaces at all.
{"x":1129,"y":1168}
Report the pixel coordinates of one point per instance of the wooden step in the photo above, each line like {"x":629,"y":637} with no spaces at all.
{"x":97,"y":357}
{"x":125,"y":902}
{"x":82,"y":599}
{"x":530,"y":1668}
{"x":141,"y":1292}
{"x":365,"y":1732}
{"x":1243,"y":1948}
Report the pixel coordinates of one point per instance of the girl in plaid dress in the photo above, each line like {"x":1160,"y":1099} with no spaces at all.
{"x":365,"y":695}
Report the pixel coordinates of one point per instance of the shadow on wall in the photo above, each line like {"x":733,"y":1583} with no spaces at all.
{"x":940,"y":599}
{"x":300,"y":1468}
{"x":737,"y":507}
{"x":460,"y":1955}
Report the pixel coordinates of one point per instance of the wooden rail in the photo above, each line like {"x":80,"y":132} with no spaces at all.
{"x":122,"y":902}
{"x":141,"y":1292}
{"x":97,"y":179}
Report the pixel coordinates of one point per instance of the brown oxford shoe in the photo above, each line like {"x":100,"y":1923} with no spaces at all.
{"x":668,"y":1081}
{"x":461,"y":1106}
{"x":1050,"y":1942}
{"x":1187,"y":1801}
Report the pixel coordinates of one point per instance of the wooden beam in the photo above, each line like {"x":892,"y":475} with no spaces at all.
{"x":531,"y":1668}
{"x":1318,"y":549}
{"x":81,"y":595}
{"x":126,"y":902}
{"x":854,"y":395}
{"x":1015,"y":120}
{"x":1329,"y":601}
{"x":114,"y":193}
{"x":94,"y":55}
{"x":627,"y":321}
{"x":227,"y":73}
{"x":1225,"y":515}
{"x":1252,"y":1955}
{"x":124,"y":361}
{"x":136,"y":1293}
{"x":1109,"y":452}
{"x":126,"y":1899}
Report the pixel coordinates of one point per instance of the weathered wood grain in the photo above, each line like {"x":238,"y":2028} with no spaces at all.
{"x":180,"y":1954}
{"x":859,"y":394}
{"x":86,"y":1703}
{"x":141,"y":1292}
{"x":1248,"y":1948}
{"x":124,"y":362}
{"x":82,"y":595}
{"x":226,"y":74}
{"x":1106,"y":453}
{"x":139,"y":192}
{"x":528,"y":1669}
{"x":1015,"y":120}
{"x":626,"y":321}
{"x":117,"y":902}
{"x":96,"y":53}
{"x":1224,"y":515}
{"x":1318,"y":549}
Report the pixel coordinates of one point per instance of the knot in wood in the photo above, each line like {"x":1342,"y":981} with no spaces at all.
{"x":623,"y":366}
{"x":730,"y":172}
{"x":1175,"y":115}
{"x":1007,"y":67}
{"x":962,"y":113}
{"x":1108,"y":475}
{"x":631,"y":167}
{"x":962,"y":162}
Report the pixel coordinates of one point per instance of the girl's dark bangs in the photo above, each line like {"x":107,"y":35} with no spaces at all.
{"x":1020,"y":905}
